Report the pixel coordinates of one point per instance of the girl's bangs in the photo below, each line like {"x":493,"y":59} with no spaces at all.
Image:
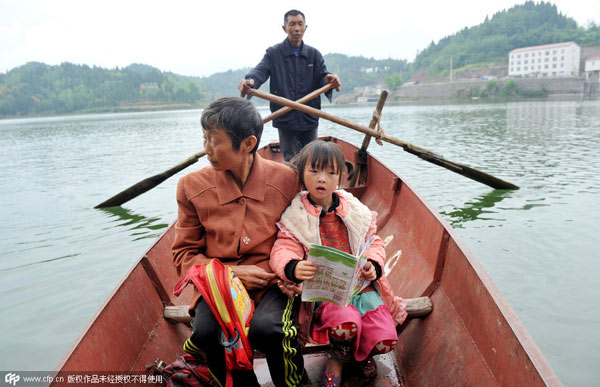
{"x":323,"y":158}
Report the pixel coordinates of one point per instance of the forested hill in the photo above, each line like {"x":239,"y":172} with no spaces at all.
{"x":523,"y":25}
{"x":37,"y":88}
{"x":356,"y":71}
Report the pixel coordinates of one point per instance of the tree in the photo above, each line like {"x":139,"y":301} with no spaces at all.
{"x":394,"y":80}
{"x":509,"y":88}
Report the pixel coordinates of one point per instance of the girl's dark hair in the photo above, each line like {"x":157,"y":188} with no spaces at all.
{"x":321,"y":155}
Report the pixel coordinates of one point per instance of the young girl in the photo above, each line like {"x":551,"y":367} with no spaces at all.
{"x":331,"y":217}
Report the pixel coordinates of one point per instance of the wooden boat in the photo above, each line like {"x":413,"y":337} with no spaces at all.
{"x":472,"y":336}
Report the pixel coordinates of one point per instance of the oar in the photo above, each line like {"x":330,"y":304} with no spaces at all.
{"x":423,"y":153}
{"x":360,"y":173}
{"x":151,"y":182}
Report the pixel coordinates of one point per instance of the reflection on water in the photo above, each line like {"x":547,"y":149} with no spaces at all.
{"x":552,"y":118}
{"x":127,"y":218}
{"x":481,"y":208}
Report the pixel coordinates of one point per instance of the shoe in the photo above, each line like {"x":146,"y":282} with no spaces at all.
{"x":368,"y":367}
{"x":330,"y":380}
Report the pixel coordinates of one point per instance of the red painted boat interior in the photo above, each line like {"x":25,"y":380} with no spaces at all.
{"x":472,"y":337}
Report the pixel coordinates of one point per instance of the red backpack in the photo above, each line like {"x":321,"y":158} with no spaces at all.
{"x":232,"y":307}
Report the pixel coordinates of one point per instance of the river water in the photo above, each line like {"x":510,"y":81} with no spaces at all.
{"x":60,"y":258}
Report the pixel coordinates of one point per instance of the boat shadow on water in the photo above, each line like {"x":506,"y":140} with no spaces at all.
{"x":141,"y":227}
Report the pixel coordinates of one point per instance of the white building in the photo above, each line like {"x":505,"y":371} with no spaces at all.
{"x":592,"y":68}
{"x":550,"y":60}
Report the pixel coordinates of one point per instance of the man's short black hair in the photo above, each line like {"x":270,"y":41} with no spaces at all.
{"x":292,"y":12}
{"x":237,"y":117}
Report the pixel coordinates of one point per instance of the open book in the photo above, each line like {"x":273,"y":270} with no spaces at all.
{"x":339,"y":274}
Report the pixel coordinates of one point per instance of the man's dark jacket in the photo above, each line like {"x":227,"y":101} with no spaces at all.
{"x":292,"y":77}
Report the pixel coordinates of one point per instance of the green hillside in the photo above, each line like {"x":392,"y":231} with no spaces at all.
{"x":37,"y":88}
{"x":357,"y":71}
{"x":529,"y":24}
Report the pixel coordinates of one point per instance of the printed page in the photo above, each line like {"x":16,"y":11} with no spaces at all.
{"x":334,"y":279}
{"x":359,"y":282}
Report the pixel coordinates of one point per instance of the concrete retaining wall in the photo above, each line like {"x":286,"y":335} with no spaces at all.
{"x":450,"y":89}
{"x":553,"y":86}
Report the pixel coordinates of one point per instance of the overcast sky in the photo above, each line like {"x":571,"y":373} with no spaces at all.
{"x":204,"y":37}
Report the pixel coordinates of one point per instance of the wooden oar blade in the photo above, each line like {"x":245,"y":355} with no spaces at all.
{"x":423,"y":153}
{"x":464,"y":170}
{"x":148,"y":183}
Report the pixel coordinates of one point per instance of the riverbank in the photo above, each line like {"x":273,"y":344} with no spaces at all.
{"x":433,"y":93}
{"x":523,"y":87}
{"x":115,"y":109}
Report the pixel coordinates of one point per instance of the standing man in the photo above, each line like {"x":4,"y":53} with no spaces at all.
{"x":227,"y":211}
{"x":296,"y":69}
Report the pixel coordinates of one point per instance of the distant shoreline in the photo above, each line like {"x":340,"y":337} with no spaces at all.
{"x":113,"y":109}
{"x":393,"y":100}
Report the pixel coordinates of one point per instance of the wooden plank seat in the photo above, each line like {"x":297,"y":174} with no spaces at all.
{"x":415,"y":308}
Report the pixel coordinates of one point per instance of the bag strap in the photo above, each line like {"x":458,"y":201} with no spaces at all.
{"x":225,"y":282}
{"x":213,"y":281}
{"x":185,"y":280}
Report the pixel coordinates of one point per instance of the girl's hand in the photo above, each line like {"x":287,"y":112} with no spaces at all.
{"x":369,"y":272}
{"x":305,"y":270}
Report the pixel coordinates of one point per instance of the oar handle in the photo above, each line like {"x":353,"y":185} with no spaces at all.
{"x":360,"y":173}
{"x":304,"y":99}
{"x":423,"y":153}
{"x":335,"y":119}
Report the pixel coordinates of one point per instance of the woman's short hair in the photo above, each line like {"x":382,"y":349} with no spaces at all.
{"x":237,"y":117}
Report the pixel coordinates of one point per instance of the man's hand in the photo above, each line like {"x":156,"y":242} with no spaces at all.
{"x":305,"y":270}
{"x":334,"y":80}
{"x":253,"y":277}
{"x":245,"y":86}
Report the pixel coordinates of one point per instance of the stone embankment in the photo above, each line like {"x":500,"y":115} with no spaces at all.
{"x":553,"y":86}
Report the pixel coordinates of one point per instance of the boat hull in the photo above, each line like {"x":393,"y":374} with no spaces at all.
{"x":472,"y":336}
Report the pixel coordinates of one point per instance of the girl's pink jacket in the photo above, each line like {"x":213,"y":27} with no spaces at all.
{"x":299,"y":228}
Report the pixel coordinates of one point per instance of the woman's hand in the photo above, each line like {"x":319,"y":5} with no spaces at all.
{"x":369,"y":272}
{"x":253,"y":277}
{"x":305,"y":270}
{"x":288,"y":288}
